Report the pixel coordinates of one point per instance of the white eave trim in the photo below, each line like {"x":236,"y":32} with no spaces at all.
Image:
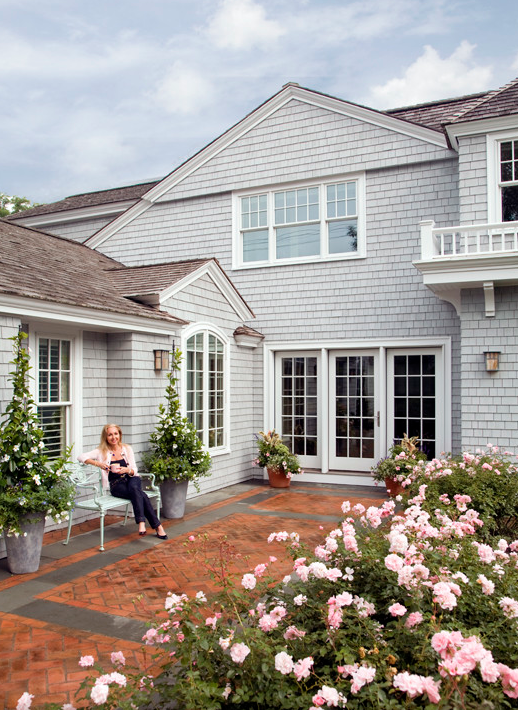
{"x":227,"y":290}
{"x":473,"y":128}
{"x":251,"y":121}
{"x":86,"y":317}
{"x":77,"y":215}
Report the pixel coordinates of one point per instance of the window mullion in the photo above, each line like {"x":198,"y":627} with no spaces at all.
{"x":324,"y":239}
{"x":205,"y":389}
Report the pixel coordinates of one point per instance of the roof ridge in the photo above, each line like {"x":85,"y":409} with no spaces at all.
{"x":438,"y":102}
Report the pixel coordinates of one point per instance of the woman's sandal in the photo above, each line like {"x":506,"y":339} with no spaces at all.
{"x":142,"y":532}
{"x":162,"y":537}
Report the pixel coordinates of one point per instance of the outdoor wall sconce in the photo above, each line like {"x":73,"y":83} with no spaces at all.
{"x":492,"y":361}
{"x":161,"y":360}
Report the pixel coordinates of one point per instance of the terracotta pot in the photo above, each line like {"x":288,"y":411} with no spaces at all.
{"x":278,"y":479}
{"x":394,"y":487}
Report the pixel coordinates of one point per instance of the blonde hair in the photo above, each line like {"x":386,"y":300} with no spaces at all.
{"x":103,"y":446}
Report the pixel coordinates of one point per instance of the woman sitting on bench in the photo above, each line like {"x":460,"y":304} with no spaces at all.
{"x":119,"y":472}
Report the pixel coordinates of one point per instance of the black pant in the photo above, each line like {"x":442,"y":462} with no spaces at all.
{"x":130,"y":487}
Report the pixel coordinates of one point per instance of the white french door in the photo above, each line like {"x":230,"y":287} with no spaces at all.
{"x":353,"y":410}
{"x":298,"y":404}
{"x":342,"y":409}
{"x":415,"y":397}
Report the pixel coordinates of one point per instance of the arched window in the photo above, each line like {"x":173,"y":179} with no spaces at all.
{"x":205,"y":387}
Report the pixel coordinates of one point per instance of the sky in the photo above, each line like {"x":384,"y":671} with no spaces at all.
{"x":97,"y":94}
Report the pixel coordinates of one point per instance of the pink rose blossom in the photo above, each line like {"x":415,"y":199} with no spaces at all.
{"x":509,"y":606}
{"x":99,"y":694}
{"x":414,"y":619}
{"x":397,"y":609}
{"x":260,"y":570}
{"x":509,"y":680}
{"x":248,"y":581}
{"x":238,"y":652}
{"x":283,"y":663}
{"x":302,"y":668}
{"x":293,"y":633}
{"x":86,"y":661}
{"x":117,"y":658}
{"x":488,"y":587}
{"x":25,"y":702}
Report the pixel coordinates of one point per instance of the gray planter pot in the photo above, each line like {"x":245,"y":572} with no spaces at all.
{"x":174,"y":495}
{"x":24,"y":551}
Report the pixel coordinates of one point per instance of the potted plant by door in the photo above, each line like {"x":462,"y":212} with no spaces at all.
{"x":31,"y":486}
{"x":176,"y":456}
{"x":396,"y":469}
{"x":276,"y":457}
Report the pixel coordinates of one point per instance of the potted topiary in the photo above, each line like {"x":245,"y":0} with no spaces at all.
{"x":177,"y":455}
{"x":276,"y":457}
{"x":396,"y":469}
{"x":31,"y":486}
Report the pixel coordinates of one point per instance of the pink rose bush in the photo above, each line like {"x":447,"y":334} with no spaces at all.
{"x":405,"y":607}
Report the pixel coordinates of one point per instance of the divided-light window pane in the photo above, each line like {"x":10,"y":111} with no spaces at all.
{"x":297,"y":223}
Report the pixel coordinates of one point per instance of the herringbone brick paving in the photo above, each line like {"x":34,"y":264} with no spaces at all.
{"x":41,"y":657}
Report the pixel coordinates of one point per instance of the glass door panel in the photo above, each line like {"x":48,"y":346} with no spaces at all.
{"x":414,"y":398}
{"x":354,"y":410}
{"x":297,"y":389}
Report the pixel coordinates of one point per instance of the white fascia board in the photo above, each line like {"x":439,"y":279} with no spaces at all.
{"x":103,"y":320}
{"x":473,"y":128}
{"x":500,"y":269}
{"x":221,"y":281}
{"x":345,"y":344}
{"x":251,"y":121}
{"x":77,"y":215}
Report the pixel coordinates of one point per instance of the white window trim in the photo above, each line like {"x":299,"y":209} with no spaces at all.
{"x":360,"y":253}
{"x":494,"y":196}
{"x":214,"y":330}
{"x":444,"y":419}
{"x":75,"y":421}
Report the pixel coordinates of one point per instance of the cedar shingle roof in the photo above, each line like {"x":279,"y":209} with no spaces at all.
{"x":89,"y":199}
{"x":57,"y":270}
{"x":141,"y":280}
{"x":502,"y":102}
{"x":436,"y":113}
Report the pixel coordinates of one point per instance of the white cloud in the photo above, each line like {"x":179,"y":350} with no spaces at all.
{"x":242,"y":24}
{"x":431,"y":77}
{"x":69,"y":59}
{"x":183,"y":90}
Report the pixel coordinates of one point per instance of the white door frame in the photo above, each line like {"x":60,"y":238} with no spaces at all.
{"x":270,"y":349}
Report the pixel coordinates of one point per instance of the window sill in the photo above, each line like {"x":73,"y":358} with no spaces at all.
{"x":302,"y":260}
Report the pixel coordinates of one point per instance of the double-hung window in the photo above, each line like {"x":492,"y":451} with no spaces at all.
{"x":54,"y":393}
{"x":205,"y":390}
{"x":509,"y":179}
{"x":308,"y":222}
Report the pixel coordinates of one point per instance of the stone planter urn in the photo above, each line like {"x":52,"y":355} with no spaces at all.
{"x":174,"y":496}
{"x":277,"y":479}
{"x":24,"y":550}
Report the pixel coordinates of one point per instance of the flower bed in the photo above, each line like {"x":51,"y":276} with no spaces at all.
{"x":409,"y":608}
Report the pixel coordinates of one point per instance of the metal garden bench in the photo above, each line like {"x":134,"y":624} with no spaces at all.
{"x":88,"y":479}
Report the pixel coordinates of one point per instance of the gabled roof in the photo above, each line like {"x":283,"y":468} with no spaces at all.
{"x":288,"y":93}
{"x":157,"y":283}
{"x":113,"y":196}
{"x":55,"y":270}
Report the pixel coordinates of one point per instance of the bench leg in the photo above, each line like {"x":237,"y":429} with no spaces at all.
{"x":69,"y":528}
{"x":101,"y":523}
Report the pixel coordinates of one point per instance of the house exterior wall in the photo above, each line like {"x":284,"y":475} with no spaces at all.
{"x":202,"y":303}
{"x":473,"y":186}
{"x":78,"y":231}
{"x":381,"y":297}
{"x":489,"y":403}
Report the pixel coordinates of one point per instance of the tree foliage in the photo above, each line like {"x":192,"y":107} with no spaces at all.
{"x":11,"y":204}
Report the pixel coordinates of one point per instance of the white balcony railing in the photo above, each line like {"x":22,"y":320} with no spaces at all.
{"x":468,"y":241}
